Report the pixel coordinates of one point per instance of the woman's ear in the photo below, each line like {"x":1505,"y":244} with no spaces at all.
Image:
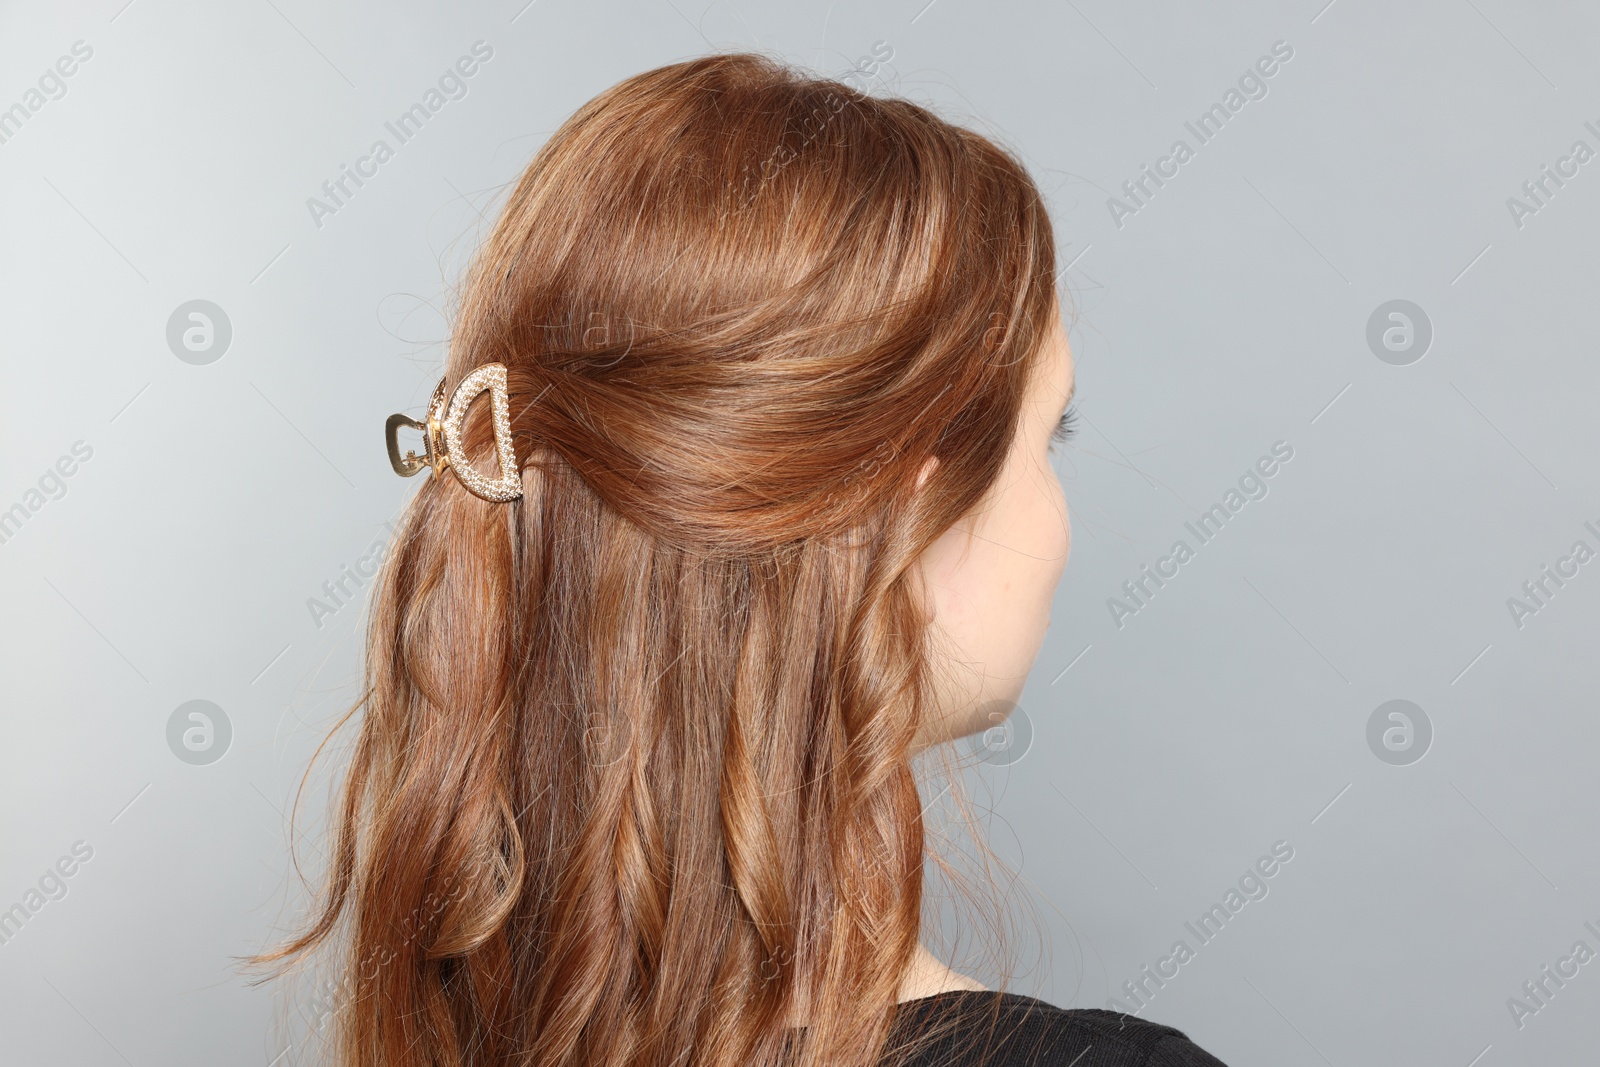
{"x":927,"y":469}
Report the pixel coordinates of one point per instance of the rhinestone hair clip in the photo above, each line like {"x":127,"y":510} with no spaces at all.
{"x":441,"y":436}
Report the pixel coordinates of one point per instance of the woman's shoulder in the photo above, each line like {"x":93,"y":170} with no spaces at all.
{"x":959,"y":1028}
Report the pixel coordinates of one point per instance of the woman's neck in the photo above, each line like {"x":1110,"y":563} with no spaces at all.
{"x":926,"y":976}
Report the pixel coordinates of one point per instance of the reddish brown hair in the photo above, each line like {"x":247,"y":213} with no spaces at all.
{"x":632,"y":782}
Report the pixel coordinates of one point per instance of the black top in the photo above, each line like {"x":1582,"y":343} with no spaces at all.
{"x":1026,"y":1032}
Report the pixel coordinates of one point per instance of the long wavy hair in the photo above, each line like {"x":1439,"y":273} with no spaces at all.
{"x":633,"y":781}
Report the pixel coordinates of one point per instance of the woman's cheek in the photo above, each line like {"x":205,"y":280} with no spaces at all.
{"x":1060,"y":522}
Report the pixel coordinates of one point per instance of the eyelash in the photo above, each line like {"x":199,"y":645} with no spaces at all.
{"x":1066,"y":427}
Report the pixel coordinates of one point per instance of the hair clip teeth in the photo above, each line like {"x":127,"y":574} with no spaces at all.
{"x":410,"y":463}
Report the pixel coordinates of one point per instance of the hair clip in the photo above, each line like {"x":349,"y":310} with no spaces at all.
{"x":441,"y":436}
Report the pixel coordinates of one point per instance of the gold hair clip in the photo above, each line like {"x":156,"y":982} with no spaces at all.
{"x":441,"y":436}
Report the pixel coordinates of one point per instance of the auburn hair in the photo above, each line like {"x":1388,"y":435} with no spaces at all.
{"x":632,"y":782}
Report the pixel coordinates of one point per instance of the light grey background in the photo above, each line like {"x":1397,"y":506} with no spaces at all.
{"x":1228,"y":314}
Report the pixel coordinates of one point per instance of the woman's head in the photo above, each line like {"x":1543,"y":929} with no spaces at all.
{"x":633,"y":776}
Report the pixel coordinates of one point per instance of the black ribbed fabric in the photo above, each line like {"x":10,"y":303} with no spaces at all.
{"x":988,"y":1029}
